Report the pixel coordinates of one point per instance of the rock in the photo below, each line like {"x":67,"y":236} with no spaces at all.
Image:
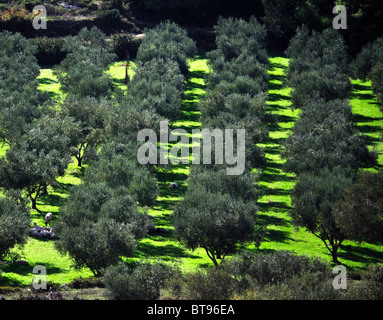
{"x":22,"y":263}
{"x":161,"y":230}
{"x":151,"y":228}
{"x":43,"y":232}
{"x":150,"y":217}
{"x":36,"y":227}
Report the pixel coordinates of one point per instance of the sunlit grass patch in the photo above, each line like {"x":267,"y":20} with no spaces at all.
{"x":48,"y":82}
{"x":368,"y":116}
{"x":117,"y":72}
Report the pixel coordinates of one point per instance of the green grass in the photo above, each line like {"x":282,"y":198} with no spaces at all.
{"x":276,"y":184}
{"x":48,"y":82}
{"x":117,"y":73}
{"x":274,"y":205}
{"x":368,"y":117}
{"x":164,"y":246}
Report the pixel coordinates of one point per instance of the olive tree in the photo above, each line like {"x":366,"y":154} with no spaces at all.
{"x":14,"y":224}
{"x":39,"y":156}
{"x":117,"y":167}
{"x":218,"y":213}
{"x":160,"y":84}
{"x":20,"y":101}
{"x":98,"y":225}
{"x":92,"y":116}
{"x":360,"y":213}
{"x":167,"y":41}
{"x":318,"y":66}
{"x":313,"y":202}
{"x":82,"y":72}
{"x":324,"y":137}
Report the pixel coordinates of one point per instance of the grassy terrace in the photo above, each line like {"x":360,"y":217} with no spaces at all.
{"x":276,"y":202}
{"x":276,"y":184}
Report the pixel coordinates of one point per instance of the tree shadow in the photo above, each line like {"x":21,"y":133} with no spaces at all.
{"x":166,"y":204}
{"x":61,"y":187}
{"x":278,"y":97}
{"x":165,"y":252}
{"x":199,"y":74}
{"x":165,"y":220}
{"x":192,"y":85}
{"x":272,"y":149}
{"x":357,"y":117}
{"x":277,"y":236}
{"x":362,"y":95}
{"x":274,"y":206}
{"x":25,"y":271}
{"x":273,"y":85}
{"x":360,"y":87}
{"x":275,"y":191}
{"x":171,"y":176}
{"x":271,"y":220}
{"x":119,"y":82}
{"x":46,"y":81}
{"x":360,"y":254}
{"x":53,"y":200}
{"x":79,"y":173}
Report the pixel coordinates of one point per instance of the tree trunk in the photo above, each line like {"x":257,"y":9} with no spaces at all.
{"x":80,"y":155}
{"x":79,"y":161}
{"x":212,"y":257}
{"x":34,"y":200}
{"x":333,"y":245}
{"x":334,"y":254}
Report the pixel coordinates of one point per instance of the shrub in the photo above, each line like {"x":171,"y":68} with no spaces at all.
{"x":20,"y":100}
{"x":306,"y":286}
{"x":142,"y":281}
{"x":212,"y":284}
{"x":50,"y":51}
{"x":318,"y":66}
{"x":259,"y":270}
{"x":157,"y":70}
{"x":91,"y":115}
{"x":359,"y":214}
{"x":370,"y":287}
{"x":14,"y":225}
{"x":159,"y":85}
{"x":109,"y":17}
{"x":313,"y":200}
{"x":141,"y":115}
{"x":80,"y":283}
{"x":123,"y":42}
{"x":238,"y":186}
{"x":39,"y":156}
{"x":325,"y":82}
{"x":246,"y":67}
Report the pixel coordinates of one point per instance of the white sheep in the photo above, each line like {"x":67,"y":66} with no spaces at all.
{"x":173,"y":185}
{"x":48,"y":218}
